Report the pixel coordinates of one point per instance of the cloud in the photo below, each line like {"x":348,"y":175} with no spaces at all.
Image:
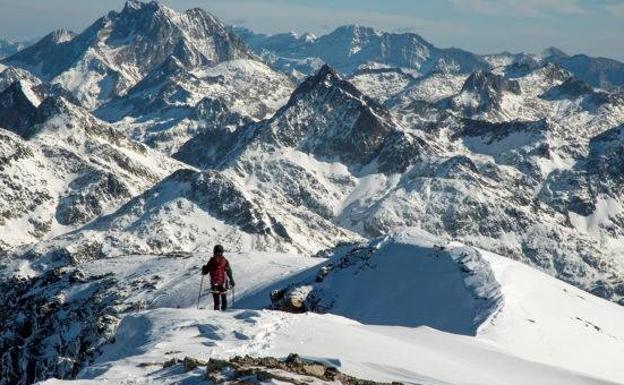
{"x":527,"y":8}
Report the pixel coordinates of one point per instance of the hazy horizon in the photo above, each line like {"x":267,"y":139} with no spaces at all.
{"x":481,"y":26}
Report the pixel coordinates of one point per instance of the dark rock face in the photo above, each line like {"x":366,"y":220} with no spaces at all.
{"x":328,"y":117}
{"x":400,"y":150}
{"x":605,"y":163}
{"x":483,"y":82}
{"x":48,"y":334}
{"x":522,"y":66}
{"x":56,"y":51}
{"x":570,"y":89}
{"x":492,"y":132}
{"x":486,"y":89}
{"x":88,"y":196}
{"x":599,"y":72}
{"x":17,"y":111}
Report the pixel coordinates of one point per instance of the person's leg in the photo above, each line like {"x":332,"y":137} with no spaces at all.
{"x":224,"y":303}
{"x":216,"y":297}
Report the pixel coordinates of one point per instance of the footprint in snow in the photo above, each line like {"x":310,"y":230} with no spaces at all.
{"x":240,"y":336}
{"x":210,"y":331}
{"x":247,"y":315}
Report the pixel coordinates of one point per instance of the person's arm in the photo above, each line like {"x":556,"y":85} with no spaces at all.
{"x":206,"y":267}
{"x":228,"y":270}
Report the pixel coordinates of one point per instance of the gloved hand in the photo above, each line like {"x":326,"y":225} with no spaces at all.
{"x":232,"y":284}
{"x":205,"y":270}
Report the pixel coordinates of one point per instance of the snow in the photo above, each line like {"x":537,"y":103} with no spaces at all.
{"x":544,"y":333}
{"x":554,"y":323}
{"x":606,"y":208}
{"x":30,"y":95}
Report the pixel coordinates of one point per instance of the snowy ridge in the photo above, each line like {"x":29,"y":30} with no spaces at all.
{"x":527,"y":334}
{"x":456,"y":286}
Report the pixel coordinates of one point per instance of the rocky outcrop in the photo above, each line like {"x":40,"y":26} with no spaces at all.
{"x":292,"y":369}
{"x":49,"y":331}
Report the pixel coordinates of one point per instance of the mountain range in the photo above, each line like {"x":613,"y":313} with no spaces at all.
{"x":155,"y":134}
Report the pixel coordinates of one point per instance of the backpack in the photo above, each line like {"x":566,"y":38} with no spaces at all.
{"x":217,"y":269}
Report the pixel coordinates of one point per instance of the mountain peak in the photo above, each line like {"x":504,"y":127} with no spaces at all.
{"x":59,"y":36}
{"x":552,"y":52}
{"x":325,"y":77}
{"x":326,"y":73}
{"x":356,"y":30}
{"x":138,"y":5}
{"x":486,"y":81}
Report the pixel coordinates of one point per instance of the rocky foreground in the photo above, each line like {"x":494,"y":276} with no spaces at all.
{"x":249,"y":370}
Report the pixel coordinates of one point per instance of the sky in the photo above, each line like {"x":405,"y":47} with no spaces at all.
{"x":594,"y":27}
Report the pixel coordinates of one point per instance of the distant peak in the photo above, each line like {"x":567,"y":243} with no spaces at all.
{"x":553,"y":52}
{"x":324,"y":77}
{"x":325,"y":73}
{"x":357,"y":29}
{"x":60,"y":36}
{"x":133,"y":6}
{"x":483,"y":80}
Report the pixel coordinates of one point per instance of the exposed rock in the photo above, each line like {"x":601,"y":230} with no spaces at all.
{"x":293,"y":370}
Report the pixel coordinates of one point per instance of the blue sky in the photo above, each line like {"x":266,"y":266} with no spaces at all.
{"x":595,"y":27}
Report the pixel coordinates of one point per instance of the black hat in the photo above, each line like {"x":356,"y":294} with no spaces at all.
{"x":218,"y":250}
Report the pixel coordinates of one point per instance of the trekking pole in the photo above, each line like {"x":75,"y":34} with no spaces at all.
{"x":233,"y":296}
{"x":201,"y":287}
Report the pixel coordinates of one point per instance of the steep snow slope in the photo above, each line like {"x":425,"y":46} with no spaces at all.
{"x":524,"y":339}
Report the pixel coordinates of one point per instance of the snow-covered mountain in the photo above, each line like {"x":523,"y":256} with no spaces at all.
{"x":8,"y":48}
{"x":174,"y":103}
{"x":597,"y":71}
{"x":477,"y":165}
{"x":352,"y":46}
{"x":119,"y":49}
{"x":127,"y":151}
{"x":67,"y":169}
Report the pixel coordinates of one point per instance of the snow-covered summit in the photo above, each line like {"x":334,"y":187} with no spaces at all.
{"x":119,"y":49}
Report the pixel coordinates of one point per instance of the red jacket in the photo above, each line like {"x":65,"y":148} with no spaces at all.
{"x":218,"y":267}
